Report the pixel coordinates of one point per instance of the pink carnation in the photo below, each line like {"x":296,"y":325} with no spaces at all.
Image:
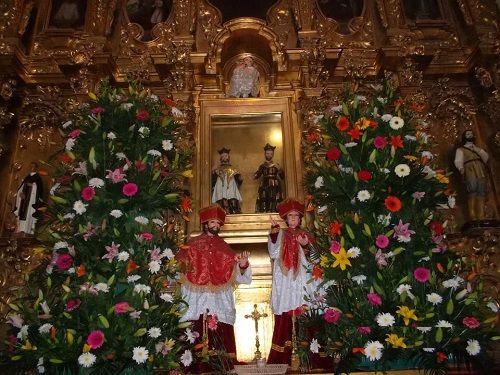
{"x":379,"y":142}
{"x":212,"y":322}
{"x":335,"y":247}
{"x":73,"y":304}
{"x":332,"y":315}
{"x":364,"y":330}
{"x":147,"y":236}
{"x":64,"y":261}
{"x":74,"y":133}
{"x":142,"y":115}
{"x":421,"y":274}
{"x":130,"y":189}
{"x":95,"y":339}
{"x":471,"y":322}
{"x":374,"y":299}
{"x":88,"y":193}
{"x":121,"y":307}
{"x":382,"y":241}
{"x":97,"y":110}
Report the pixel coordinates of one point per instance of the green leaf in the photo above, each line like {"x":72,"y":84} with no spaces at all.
{"x":66,"y":289}
{"x":14,"y":307}
{"x":172,"y":197}
{"x":439,"y":334}
{"x":40,"y":294}
{"x":16,"y":358}
{"x":449,"y":307}
{"x":116,"y":232}
{"x":122,"y":200}
{"x":49,"y":282}
{"x":92,"y":157}
{"x":378,"y":289}
{"x":77,"y":185}
{"x":373,"y":156}
{"x":55,"y":360}
{"x":367,"y":229}
{"x":111,"y":280}
{"x":345,"y":110}
{"x":103,"y":321}
{"x":379,"y":276}
{"x":350,"y":232}
{"x":140,"y":332}
{"x":58,"y":199}
{"x":398,"y":250}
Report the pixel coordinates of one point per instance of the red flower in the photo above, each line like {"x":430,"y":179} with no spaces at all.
{"x":131,"y":265}
{"x":441,"y":357}
{"x":317,"y":272}
{"x":64,"y":261}
{"x":332,"y":315}
{"x":88,"y":193}
{"x":436,"y":227}
{"x":364,"y":175}
{"x":73,"y":304}
{"x":379,"y":142}
{"x":81,"y":270}
{"x":392,"y":203}
{"x":97,"y":110}
{"x":142,"y":115}
{"x":121,"y":307}
{"x":95,"y":339}
{"x":374,"y":299}
{"x":147,"y":236}
{"x":313,"y":137}
{"x":130,"y":189}
{"x":343,"y":123}
{"x":358,"y":350}
{"x":298,"y":311}
{"x":65,"y":158}
{"x":417,"y":107}
{"x":396,"y":141}
{"x":471,"y":322}
{"x":336,"y":228}
{"x":422,"y":274}
{"x":397,"y":102}
{"x":185,"y":204}
{"x":140,"y":165}
{"x":333,"y":154}
{"x":169,"y":102}
{"x":74,"y":134}
{"x":355,"y":133}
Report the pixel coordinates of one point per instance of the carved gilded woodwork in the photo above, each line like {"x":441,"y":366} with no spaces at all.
{"x":280,"y":19}
{"x":209,"y":21}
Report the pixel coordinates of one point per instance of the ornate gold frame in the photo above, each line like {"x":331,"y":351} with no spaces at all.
{"x":245,"y":228}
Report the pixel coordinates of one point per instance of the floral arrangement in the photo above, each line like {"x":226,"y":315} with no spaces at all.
{"x":392,"y":289}
{"x":106,"y":301}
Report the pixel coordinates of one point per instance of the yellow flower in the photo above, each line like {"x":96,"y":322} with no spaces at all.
{"x":395,"y":341}
{"x":323,"y":261}
{"x":341,"y":259}
{"x":410,"y":157}
{"x":28,"y":346}
{"x":407,"y":314}
{"x":86,"y":348}
{"x":442,"y":178}
{"x":188,"y":173}
{"x":362,"y":123}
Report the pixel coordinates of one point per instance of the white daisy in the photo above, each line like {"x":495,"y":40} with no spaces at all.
{"x":453,"y":283}
{"x":444,"y":324}
{"x":429,"y":350}
{"x":123,"y":256}
{"x":102,"y":287}
{"x":126,"y":106}
{"x":158,"y":222}
{"x":140,"y":354}
{"x":86,"y":359}
{"x":154,"y":332}
{"x":60,"y":245}
{"x":396,"y":123}
{"x":121,"y":155}
{"x":70,"y":143}
{"x":350,"y":144}
{"x":167,"y":253}
{"x":353,"y":252}
{"x":45,"y":328}
{"x":167,"y":144}
{"x":133,"y":278}
{"x":434,"y":298}
{"x":79,"y":207}
{"x":402,"y":170}
{"x":141,"y":220}
{"x":154,"y":266}
{"x":363,"y":195}
{"x":187,"y":356}
{"x":405,"y":288}
{"x":359,"y":279}
{"x":385,"y":319}
{"x":373,"y":350}
{"x":386,"y":117}
{"x":424,"y":329}
{"x":473,"y":347}
{"x":116,"y":213}
{"x":167,"y":297}
{"x":111,"y":135}
{"x":141,"y":288}
{"x":319,"y":182}
{"x":96,"y":183}
{"x":314,"y":346}
{"x":154,"y":153}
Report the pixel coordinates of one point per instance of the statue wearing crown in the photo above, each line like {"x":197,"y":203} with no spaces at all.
{"x":226,"y":181}
{"x":271,"y":175}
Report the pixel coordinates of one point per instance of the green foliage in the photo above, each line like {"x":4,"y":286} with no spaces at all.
{"x":391,"y":288}
{"x":105,"y":302}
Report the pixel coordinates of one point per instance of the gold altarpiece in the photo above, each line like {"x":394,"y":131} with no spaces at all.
{"x":444,"y":54}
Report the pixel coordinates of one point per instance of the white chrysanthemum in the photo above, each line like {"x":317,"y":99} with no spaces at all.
{"x":60,"y":245}
{"x":111,"y":135}
{"x":387,"y":117}
{"x":140,"y":354}
{"x":154,"y":332}
{"x":424,"y":329}
{"x":167,"y":253}
{"x":86,"y":359}
{"x":402,"y":170}
{"x":405,"y":288}
{"x":373,"y":350}
{"x":158,"y":222}
{"x":359,"y":279}
{"x":67,"y":124}
{"x":79,"y":207}
{"x":45,"y":328}
{"x":70,"y":143}
{"x":154,"y":266}
{"x":396,"y":123}
{"x":96,"y":183}
{"x":444,"y":324}
{"x":429,"y":350}
{"x":353,"y":252}
{"x":154,"y":153}
{"x":133,"y":278}
{"x":123,"y":256}
{"x":167,"y":297}
{"x":351,"y":144}
{"x":319,"y":182}
{"x":116,"y":213}
{"x":142,"y":220}
{"x":23,"y":332}
{"x":187,"y":358}
{"x":434,"y":298}
{"x":142,"y":288}
{"x":385,"y":319}
{"x":314,"y":346}
{"x":453,"y":283}
{"x":363,"y":195}
{"x":167,"y":144}
{"x":135,"y":314}
{"x":473,"y":347}
{"x":102,"y":287}
{"x":127,"y":106}
{"x":121,"y":156}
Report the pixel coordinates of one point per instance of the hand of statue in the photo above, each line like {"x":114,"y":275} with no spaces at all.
{"x":273,"y":222}
{"x":243,"y":259}
{"x":303,"y":240}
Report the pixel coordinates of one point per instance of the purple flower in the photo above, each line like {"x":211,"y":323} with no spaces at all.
{"x":382,"y":241}
{"x":402,"y":232}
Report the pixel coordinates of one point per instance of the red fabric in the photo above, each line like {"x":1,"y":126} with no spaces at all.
{"x":290,"y":248}
{"x":214,"y":212}
{"x":289,"y":205}
{"x":208,"y":261}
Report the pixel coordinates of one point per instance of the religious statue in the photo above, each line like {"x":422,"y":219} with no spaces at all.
{"x":470,"y":161}
{"x":28,"y":201}
{"x":270,"y":192}
{"x":226,"y":181}
{"x":245,"y":80}
{"x":68,"y":14}
{"x":210,"y":272}
{"x":157,"y":15}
